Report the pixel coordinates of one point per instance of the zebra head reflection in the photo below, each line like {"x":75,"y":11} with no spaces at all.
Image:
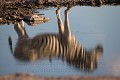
{"x":62,"y":45}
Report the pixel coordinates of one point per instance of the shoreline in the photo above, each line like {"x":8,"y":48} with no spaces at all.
{"x":23,"y":76}
{"x":13,"y":11}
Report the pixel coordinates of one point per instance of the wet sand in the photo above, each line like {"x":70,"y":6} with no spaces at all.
{"x":32,"y":77}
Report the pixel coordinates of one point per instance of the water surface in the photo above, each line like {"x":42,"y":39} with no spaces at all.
{"x":90,"y":25}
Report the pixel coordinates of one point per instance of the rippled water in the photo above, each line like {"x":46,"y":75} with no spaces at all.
{"x":90,"y":25}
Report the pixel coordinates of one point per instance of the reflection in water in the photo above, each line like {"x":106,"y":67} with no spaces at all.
{"x":62,"y":45}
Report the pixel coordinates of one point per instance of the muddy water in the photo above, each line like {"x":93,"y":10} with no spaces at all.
{"x":90,"y":25}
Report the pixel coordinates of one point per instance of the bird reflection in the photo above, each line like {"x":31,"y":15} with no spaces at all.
{"x":61,"y":45}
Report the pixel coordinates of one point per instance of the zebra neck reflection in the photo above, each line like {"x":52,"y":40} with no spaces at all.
{"x":62,"y":45}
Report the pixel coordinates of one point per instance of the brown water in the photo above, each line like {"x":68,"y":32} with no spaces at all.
{"x":90,"y":25}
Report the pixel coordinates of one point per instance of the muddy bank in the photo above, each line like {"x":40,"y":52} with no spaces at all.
{"x":15,"y":10}
{"x":78,"y":2}
{"x":32,"y":77}
{"x":11,"y":12}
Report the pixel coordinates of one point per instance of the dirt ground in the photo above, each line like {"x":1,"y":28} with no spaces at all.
{"x":21,"y":76}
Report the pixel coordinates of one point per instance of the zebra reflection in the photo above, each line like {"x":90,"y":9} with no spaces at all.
{"x":61,"y":45}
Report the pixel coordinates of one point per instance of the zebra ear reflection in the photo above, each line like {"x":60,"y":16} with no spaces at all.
{"x":99,"y":48}
{"x":98,"y":52}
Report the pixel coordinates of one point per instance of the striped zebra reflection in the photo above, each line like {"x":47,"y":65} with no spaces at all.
{"x":61,"y":45}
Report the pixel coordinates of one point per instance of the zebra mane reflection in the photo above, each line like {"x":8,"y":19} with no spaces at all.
{"x":61,"y":45}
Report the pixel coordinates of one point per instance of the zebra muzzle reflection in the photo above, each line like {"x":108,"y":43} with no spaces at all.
{"x":61,"y":45}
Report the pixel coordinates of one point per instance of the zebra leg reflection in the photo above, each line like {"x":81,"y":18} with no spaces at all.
{"x":20,"y":29}
{"x":60,"y":23}
{"x":67,"y":31}
{"x":21,"y":32}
